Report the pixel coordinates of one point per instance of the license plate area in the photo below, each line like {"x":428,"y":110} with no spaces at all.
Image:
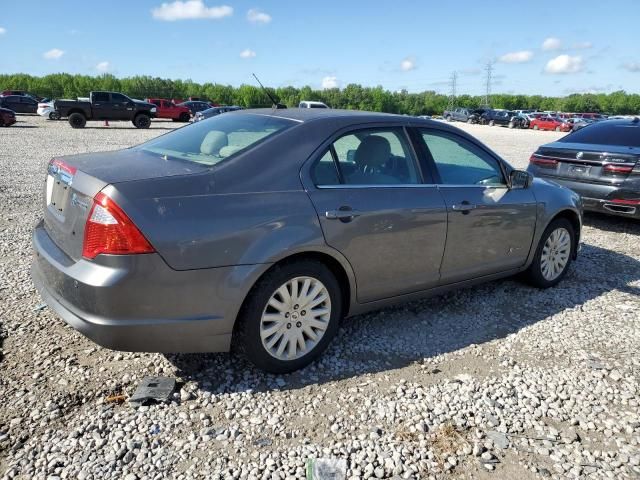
{"x":58,"y":191}
{"x":579,"y":170}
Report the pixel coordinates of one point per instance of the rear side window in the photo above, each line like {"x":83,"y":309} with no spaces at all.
{"x":217,"y":138}
{"x":460,"y":162}
{"x":100,"y":97}
{"x":605,"y":133}
{"x":378,"y":156}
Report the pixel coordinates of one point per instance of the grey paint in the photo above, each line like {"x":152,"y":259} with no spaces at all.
{"x":218,"y":229}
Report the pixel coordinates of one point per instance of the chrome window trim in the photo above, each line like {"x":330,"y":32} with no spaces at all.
{"x":393,"y":185}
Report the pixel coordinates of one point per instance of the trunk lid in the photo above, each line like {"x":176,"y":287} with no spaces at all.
{"x":605,"y":164}
{"x":72,"y":182}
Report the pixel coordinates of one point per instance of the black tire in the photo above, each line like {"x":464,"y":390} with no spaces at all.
{"x":246,"y":337}
{"x":533,"y":275}
{"x":77,"y":120}
{"x":491,"y":123}
{"x":184,"y":117}
{"x":448,"y":118}
{"x":142,"y":120}
{"x":54,"y":115}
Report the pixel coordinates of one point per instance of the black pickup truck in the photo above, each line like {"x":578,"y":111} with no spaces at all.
{"x":106,"y":106}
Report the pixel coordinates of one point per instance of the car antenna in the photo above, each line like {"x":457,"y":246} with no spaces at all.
{"x":275,"y":105}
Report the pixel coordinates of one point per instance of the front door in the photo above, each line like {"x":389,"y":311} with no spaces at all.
{"x":490,"y":226}
{"x":375,"y":209}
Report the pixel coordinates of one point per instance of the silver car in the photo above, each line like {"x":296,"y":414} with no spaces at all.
{"x":262,"y":229}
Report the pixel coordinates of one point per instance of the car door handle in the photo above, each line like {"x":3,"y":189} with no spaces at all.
{"x":463,"y":207}
{"x":341,"y":214}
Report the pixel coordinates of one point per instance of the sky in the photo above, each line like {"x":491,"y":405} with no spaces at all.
{"x":547,"y":48}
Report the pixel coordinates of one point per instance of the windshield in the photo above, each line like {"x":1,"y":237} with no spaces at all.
{"x":211,"y":141}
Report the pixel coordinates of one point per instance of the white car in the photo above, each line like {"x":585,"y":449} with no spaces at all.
{"x":312,"y":104}
{"x":45,"y":109}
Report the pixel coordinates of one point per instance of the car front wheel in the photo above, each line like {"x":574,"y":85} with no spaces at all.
{"x":290,"y":317}
{"x":553,"y":255}
{"x":142,"y":121}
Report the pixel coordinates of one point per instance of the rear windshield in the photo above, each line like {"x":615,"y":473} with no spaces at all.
{"x":604,"y":133}
{"x":213,"y":140}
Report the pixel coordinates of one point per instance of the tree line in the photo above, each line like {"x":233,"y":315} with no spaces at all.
{"x":353,"y":96}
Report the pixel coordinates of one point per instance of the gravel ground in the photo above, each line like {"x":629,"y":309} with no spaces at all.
{"x":500,"y":381}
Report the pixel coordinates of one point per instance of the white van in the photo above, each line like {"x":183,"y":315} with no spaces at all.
{"x":312,"y":104}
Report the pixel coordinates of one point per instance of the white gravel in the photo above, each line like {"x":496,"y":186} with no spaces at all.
{"x":500,"y":381}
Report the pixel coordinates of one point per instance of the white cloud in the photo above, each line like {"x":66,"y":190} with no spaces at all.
{"x":408,"y":64}
{"x":103,"y":67}
{"x":3,"y":30}
{"x":632,"y":66}
{"x":256,"y":16}
{"x":191,"y":9}
{"x":552,"y":43}
{"x":247,"y":53}
{"x":565,"y":64}
{"x":53,"y":54}
{"x":582,"y":45}
{"x":329,"y":82}
{"x":522,"y":56}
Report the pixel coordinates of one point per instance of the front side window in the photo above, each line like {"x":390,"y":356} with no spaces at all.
{"x":118,"y":98}
{"x":370,"y":157}
{"x":459,"y":162}
{"x":219,"y":137}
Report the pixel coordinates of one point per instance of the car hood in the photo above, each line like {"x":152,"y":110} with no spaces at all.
{"x":130,"y":164}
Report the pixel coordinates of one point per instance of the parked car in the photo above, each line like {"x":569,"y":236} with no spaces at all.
{"x":46,"y":109}
{"x":195,"y":106}
{"x":20,"y":93}
{"x":7,"y":117}
{"x":167,"y":109}
{"x":577,"y":123}
{"x":312,"y":104}
{"x":190,"y":250}
{"x":504,"y":118}
{"x":106,"y":106}
{"x":547,"y":122}
{"x":213,"y":111}
{"x":593,"y":116}
{"x":601,"y":163}
{"x":19,"y":103}
{"x":460,"y":114}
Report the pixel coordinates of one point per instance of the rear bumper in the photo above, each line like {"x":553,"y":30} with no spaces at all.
{"x":599,"y":197}
{"x":137,"y":303}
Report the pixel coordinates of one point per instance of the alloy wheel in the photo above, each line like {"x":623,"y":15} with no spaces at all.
{"x":296,"y":318}
{"x":555,"y":254}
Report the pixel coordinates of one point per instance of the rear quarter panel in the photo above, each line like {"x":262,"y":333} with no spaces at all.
{"x":192,"y":226}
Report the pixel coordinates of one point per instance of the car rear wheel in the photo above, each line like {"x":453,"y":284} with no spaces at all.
{"x":54,"y":115}
{"x":184,"y":117}
{"x":491,"y":123}
{"x":142,"y":121}
{"x":553,"y":255}
{"x":289,"y":317}
{"x":77,"y":120}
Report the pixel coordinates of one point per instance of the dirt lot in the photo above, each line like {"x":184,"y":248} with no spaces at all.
{"x":500,"y":381}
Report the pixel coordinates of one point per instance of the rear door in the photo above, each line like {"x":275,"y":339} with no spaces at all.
{"x":375,"y":208}
{"x":490,"y":226}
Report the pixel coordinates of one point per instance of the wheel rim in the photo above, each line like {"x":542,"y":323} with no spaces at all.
{"x":555,"y":254}
{"x":296,"y":318}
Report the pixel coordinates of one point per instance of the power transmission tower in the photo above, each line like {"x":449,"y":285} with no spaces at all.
{"x":453,"y":84}
{"x":487,"y":96}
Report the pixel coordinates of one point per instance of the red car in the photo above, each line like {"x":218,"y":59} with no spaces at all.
{"x":7,"y":117}
{"x":547,"y":122}
{"x":168,"y":109}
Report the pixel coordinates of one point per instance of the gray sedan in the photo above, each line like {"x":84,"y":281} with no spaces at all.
{"x":262,"y":229}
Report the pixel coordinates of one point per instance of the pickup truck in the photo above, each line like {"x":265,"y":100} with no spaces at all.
{"x":469,"y":115}
{"x":168,"y":109}
{"x":106,"y":106}
{"x":504,"y":118}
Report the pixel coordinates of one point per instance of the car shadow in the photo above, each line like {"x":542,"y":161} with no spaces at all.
{"x":612,"y":223}
{"x":410,"y":333}
{"x":15,"y":125}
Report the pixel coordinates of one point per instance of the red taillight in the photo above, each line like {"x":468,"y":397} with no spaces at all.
{"x":63,"y":166}
{"x":109,"y":230}
{"x":618,"y":168}
{"x":543,"y":162}
{"x":625,"y":201}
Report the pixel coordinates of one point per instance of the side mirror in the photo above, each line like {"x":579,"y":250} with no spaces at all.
{"x":520,"y":179}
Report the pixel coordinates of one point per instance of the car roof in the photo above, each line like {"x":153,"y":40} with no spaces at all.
{"x":309,"y":114}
